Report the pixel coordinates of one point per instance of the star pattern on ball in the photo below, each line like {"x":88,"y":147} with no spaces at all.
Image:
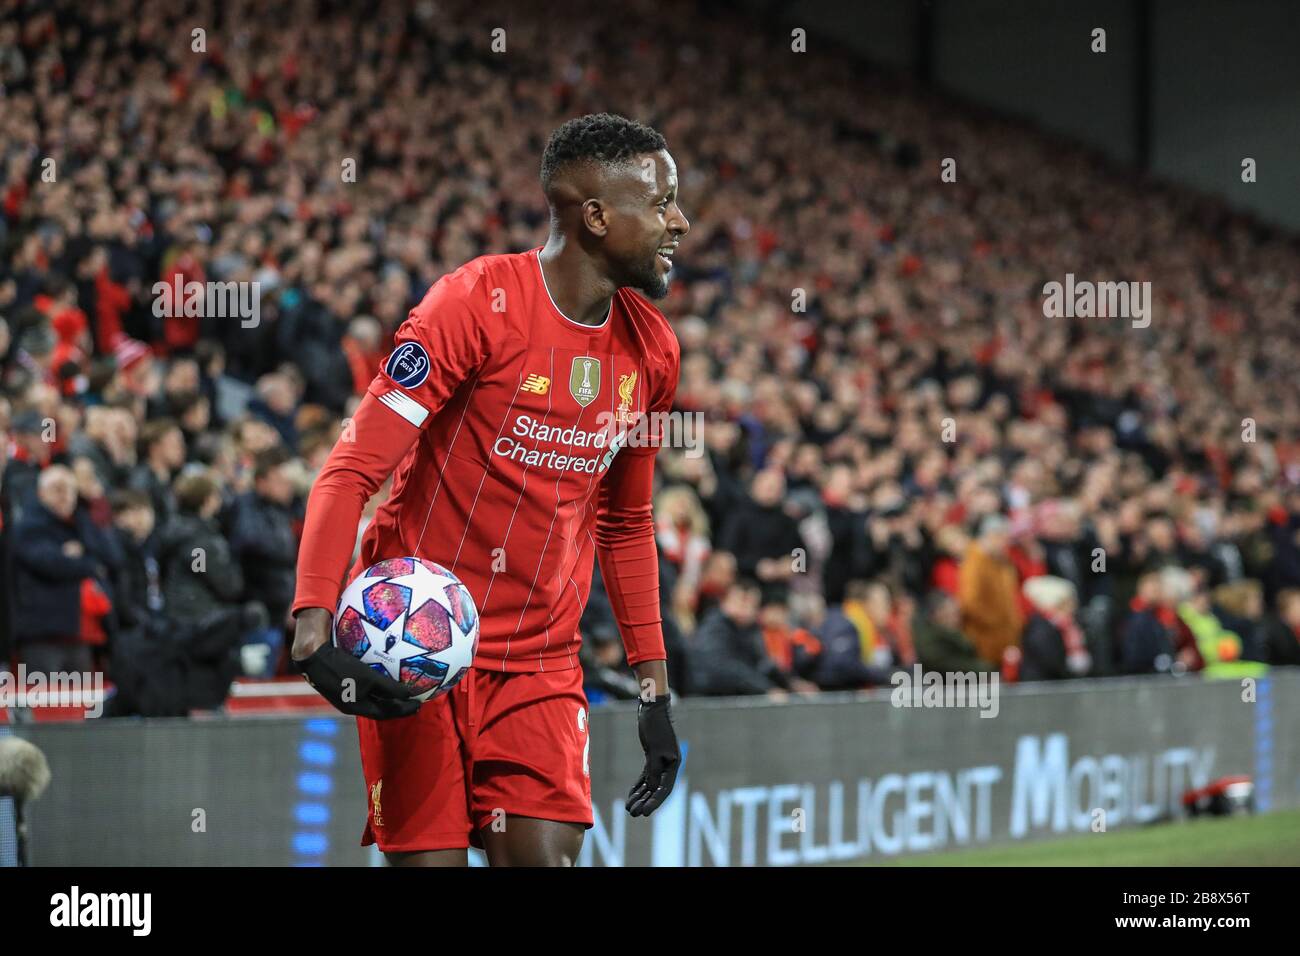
{"x":388,"y":646}
{"x":363,"y":583}
{"x":426,"y":585}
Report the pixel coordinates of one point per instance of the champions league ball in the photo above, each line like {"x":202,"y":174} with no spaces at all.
{"x":412,"y":620}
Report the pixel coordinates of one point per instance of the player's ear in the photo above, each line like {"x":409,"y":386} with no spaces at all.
{"x":595,"y":217}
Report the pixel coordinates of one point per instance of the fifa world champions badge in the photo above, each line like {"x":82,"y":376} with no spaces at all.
{"x":584,"y":379}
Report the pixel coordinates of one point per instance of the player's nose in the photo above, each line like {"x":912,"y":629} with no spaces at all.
{"x":679,"y":225}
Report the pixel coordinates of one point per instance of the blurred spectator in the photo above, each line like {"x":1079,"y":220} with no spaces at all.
{"x":1149,"y":636}
{"x":194,"y":415}
{"x":199,"y":573}
{"x":228,"y":396}
{"x":266,"y":547}
{"x":896,"y":547}
{"x":263,"y":537}
{"x":762,"y":536}
{"x":845,"y":515}
{"x":1284,"y":535}
{"x":988,"y":593}
{"x":364,"y":348}
{"x":30,"y":453}
{"x":794,"y":649}
{"x":60,"y":560}
{"x":854,"y":608}
{"x":940,"y":644}
{"x":603,"y":673}
{"x":605,"y":670}
{"x":1283,"y":630}
{"x":135,"y":379}
{"x":1053,"y":646}
{"x":1220,"y":648}
{"x":108,"y":442}
{"x":71,"y":356}
{"x":682,"y":531}
{"x":138,"y":587}
{"x":727,"y":653}
{"x":168,"y":664}
{"x":1067,"y":547}
{"x":716,"y":578}
{"x":180,"y":383}
{"x":842,"y":665}
{"x":277,"y":398}
{"x":1239,"y":605}
{"x":162,"y":453}
{"x":890,"y":616}
{"x":951,"y":544}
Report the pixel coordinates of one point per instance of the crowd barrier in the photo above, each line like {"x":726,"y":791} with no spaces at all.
{"x":829,"y":779}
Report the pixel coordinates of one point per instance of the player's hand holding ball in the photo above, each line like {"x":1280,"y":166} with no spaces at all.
{"x":351,"y":686}
{"x":406,"y":631}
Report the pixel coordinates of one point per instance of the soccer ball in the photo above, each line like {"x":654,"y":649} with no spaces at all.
{"x":412,"y":620}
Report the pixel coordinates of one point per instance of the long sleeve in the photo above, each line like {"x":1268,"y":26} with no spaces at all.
{"x":43,"y":556}
{"x":438,"y":347}
{"x":1044,"y":652}
{"x":721,"y":667}
{"x":352,"y":474}
{"x":629,"y":561}
{"x":972,"y":577}
{"x":736,"y":539}
{"x":222,"y":574}
{"x":625,"y":532}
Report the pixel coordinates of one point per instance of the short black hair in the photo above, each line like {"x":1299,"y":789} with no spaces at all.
{"x":128,"y":499}
{"x":154,"y":431}
{"x":600,"y":138}
{"x":269,"y":459}
{"x":935,"y":601}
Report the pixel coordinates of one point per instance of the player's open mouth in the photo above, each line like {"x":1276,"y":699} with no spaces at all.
{"x":666,"y":255}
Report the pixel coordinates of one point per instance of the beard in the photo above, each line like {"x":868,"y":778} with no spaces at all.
{"x":646,"y":278}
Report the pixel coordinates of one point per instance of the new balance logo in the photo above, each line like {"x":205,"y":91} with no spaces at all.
{"x":404,"y":405}
{"x":537,"y":384}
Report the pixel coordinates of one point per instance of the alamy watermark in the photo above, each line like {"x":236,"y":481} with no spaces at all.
{"x":54,"y":689}
{"x":591,"y":451}
{"x":684,"y":430}
{"x":946,"y":689}
{"x":1085,"y":299}
{"x":221,"y":300}
{"x":133,"y":911}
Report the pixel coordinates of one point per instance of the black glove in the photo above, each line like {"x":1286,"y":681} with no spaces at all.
{"x":654,"y":725}
{"x":375,"y":695}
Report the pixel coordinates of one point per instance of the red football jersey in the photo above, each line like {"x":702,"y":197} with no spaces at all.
{"x":506,"y":426}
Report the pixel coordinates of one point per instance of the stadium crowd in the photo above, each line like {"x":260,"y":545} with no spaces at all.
{"x":906,"y":461}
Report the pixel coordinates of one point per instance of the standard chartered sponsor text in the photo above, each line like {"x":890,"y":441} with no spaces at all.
{"x":651,"y":430}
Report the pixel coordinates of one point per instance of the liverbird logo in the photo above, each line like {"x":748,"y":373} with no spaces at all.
{"x":626,"y":386}
{"x":376,"y":811}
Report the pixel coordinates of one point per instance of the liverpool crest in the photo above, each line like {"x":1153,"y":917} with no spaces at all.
{"x":377,"y":812}
{"x":626,"y":386}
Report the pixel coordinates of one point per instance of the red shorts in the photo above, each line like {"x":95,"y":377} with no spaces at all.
{"x":496,"y":745}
